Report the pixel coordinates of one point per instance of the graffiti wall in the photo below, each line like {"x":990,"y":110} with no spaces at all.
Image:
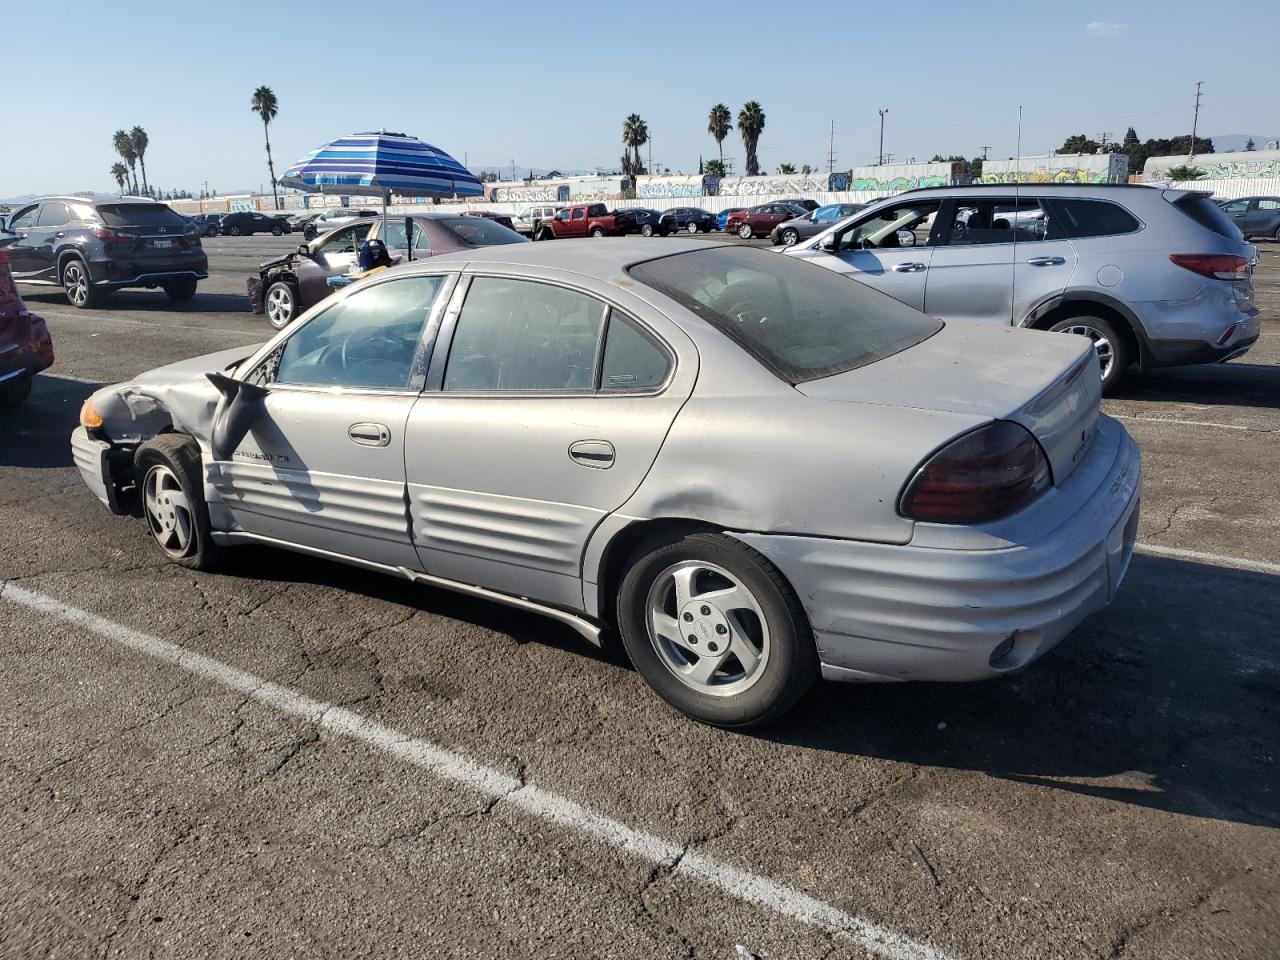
{"x":528,"y":193}
{"x":1059,"y":168}
{"x":1218,"y":166}
{"x":674,"y":188}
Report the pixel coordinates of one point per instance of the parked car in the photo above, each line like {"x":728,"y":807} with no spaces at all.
{"x":759,"y":221}
{"x":690,"y":219}
{"x":1254,"y":216}
{"x":982,"y":513}
{"x":588,"y":220}
{"x":723,"y":216}
{"x":813,"y":223}
{"x":25,"y":345}
{"x":528,"y":220}
{"x":208,"y":223}
{"x":335,"y":217}
{"x":501,"y":218}
{"x":646,"y":222}
{"x":286,"y":287}
{"x":803,"y":204}
{"x":90,"y":246}
{"x":298,"y":221}
{"x":249,"y":222}
{"x":1154,"y":277}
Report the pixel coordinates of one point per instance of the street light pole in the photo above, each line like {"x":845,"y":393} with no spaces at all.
{"x":882,"y":113}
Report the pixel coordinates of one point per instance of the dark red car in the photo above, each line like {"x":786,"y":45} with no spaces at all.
{"x":760,"y":221}
{"x":25,"y":345}
{"x":501,"y":218}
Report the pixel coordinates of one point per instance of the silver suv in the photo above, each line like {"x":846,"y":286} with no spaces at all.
{"x":1154,"y":277}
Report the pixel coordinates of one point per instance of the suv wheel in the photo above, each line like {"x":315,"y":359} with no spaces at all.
{"x":716,"y":630}
{"x":692,"y":228}
{"x":1113,"y":355}
{"x":646,"y":230}
{"x":597,"y":232}
{"x":14,"y":392}
{"x":181,"y":290}
{"x":744,"y":231}
{"x":76,"y":283}
{"x":281,"y":304}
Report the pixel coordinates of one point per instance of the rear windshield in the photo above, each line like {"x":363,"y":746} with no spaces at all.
{"x":481,"y":231}
{"x":1208,"y":214}
{"x":800,"y":321}
{"x":139,"y":215}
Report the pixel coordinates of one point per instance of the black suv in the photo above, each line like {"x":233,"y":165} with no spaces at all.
{"x":90,"y":246}
{"x":249,"y":222}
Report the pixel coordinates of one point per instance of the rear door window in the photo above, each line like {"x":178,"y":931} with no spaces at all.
{"x":53,"y":214}
{"x":1093,"y":218}
{"x":632,"y":359}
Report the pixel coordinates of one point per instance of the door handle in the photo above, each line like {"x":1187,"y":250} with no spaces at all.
{"x":59,"y":235}
{"x":913,"y":267}
{"x":1047,"y":261}
{"x":597,"y":454}
{"x":369,"y":434}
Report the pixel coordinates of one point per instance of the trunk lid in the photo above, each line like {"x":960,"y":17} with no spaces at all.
{"x":1047,"y":382}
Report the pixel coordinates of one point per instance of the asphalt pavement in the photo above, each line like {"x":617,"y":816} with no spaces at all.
{"x":298,"y":759}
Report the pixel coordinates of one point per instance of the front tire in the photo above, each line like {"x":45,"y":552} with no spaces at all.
{"x":14,"y":393}
{"x":277,"y":231}
{"x":173,"y":504}
{"x":78,"y":285}
{"x":744,"y":231}
{"x":716,"y":630}
{"x":181,"y":290}
{"x":789,"y":238}
{"x":281,"y":304}
{"x":234,"y":231}
{"x":692,"y":228}
{"x":1108,"y":344}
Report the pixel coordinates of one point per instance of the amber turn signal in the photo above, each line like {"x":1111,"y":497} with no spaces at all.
{"x":89,"y":415}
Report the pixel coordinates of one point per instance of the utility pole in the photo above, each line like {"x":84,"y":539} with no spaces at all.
{"x":984,"y":153}
{"x":882,"y":113}
{"x":831,"y":149}
{"x":1195,"y":118}
{"x":651,"y":155}
{"x":1102,"y":141}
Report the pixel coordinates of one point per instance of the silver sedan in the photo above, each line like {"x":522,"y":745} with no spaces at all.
{"x":753,"y":470}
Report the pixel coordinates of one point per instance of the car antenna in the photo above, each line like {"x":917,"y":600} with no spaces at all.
{"x":1017,"y":196}
{"x":408,"y":233}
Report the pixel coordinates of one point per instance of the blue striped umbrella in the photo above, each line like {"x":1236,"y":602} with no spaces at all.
{"x":373,"y":164}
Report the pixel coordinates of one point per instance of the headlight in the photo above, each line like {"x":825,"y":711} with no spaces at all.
{"x":89,"y":416}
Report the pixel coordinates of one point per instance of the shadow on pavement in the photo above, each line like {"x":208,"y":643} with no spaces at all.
{"x":38,"y":433}
{"x":156,"y":301}
{"x":1170,"y":699}
{"x":1232,"y":384}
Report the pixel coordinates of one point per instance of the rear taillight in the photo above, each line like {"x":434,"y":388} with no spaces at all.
{"x":110,"y":236}
{"x":193,"y":237}
{"x":984,"y":475}
{"x":1219,"y":266}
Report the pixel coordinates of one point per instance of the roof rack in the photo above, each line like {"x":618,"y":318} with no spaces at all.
{"x":1026,"y":183}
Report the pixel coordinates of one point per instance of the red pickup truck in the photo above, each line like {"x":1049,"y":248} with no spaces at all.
{"x":590,"y":220}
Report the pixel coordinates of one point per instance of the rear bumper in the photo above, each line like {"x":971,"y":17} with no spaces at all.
{"x":33,"y":352}
{"x":883,"y":612}
{"x":141,"y":273}
{"x":1230,"y":338}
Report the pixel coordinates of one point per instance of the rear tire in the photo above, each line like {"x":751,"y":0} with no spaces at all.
{"x":13,"y":393}
{"x":1276,"y":235}
{"x":1109,"y":345}
{"x":277,"y":231}
{"x":597,"y":232}
{"x":745,"y":232}
{"x":692,"y":228}
{"x":172,"y":500}
{"x":646,"y":230}
{"x":762,"y":617}
{"x":79,"y":285}
{"x":181,"y":290}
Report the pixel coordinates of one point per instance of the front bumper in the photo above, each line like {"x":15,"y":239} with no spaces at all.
{"x":92,"y":459}
{"x":884,"y":612}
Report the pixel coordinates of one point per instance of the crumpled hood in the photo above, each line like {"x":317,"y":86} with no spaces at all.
{"x":177,"y":394}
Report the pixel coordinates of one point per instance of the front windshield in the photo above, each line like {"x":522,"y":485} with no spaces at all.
{"x":800,"y":321}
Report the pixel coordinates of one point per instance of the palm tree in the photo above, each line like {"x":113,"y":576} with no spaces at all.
{"x":751,"y":125}
{"x":120,"y":173}
{"x":124,"y":146}
{"x":635,"y":133}
{"x":138,"y":137}
{"x":786,"y":168}
{"x":265,"y":105}
{"x":719,"y":124}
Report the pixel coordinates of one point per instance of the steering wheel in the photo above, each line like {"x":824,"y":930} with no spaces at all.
{"x":365,"y":338}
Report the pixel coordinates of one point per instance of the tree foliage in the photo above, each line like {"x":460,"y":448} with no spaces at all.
{"x":750,"y":125}
{"x":266,"y":106}
{"x":719,"y":124}
{"x":635,"y":134}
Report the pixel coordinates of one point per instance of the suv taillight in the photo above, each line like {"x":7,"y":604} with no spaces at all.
{"x":1218,"y":266}
{"x":193,"y":237}
{"x":981,"y":476}
{"x":110,"y":236}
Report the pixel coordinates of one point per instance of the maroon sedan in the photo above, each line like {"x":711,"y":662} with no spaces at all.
{"x":284,"y":288}
{"x":25,"y":345}
{"x":760,"y":221}
{"x":501,"y":218}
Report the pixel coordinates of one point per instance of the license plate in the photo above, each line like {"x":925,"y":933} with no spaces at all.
{"x":161,"y":244}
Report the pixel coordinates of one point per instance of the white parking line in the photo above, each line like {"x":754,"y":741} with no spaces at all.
{"x":1216,"y":559}
{"x":460,"y":769}
{"x":1189,"y":423}
{"x":101,"y":317}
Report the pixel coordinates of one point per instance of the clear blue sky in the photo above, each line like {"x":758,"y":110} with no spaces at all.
{"x":549,"y":83}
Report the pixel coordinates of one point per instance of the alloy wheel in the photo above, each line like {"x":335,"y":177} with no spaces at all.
{"x":647,"y":230}
{"x":280,"y":306}
{"x":76,"y":283}
{"x":707,"y":627}
{"x":692,"y":228}
{"x":789,"y":238}
{"x":168,"y":511}
{"x":1101,"y":344}
{"x":744,"y":232}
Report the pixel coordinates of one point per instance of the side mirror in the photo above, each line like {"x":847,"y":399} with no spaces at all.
{"x":240,"y":406}
{"x":304,"y":249}
{"x":906,"y":238}
{"x":830,"y":244}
